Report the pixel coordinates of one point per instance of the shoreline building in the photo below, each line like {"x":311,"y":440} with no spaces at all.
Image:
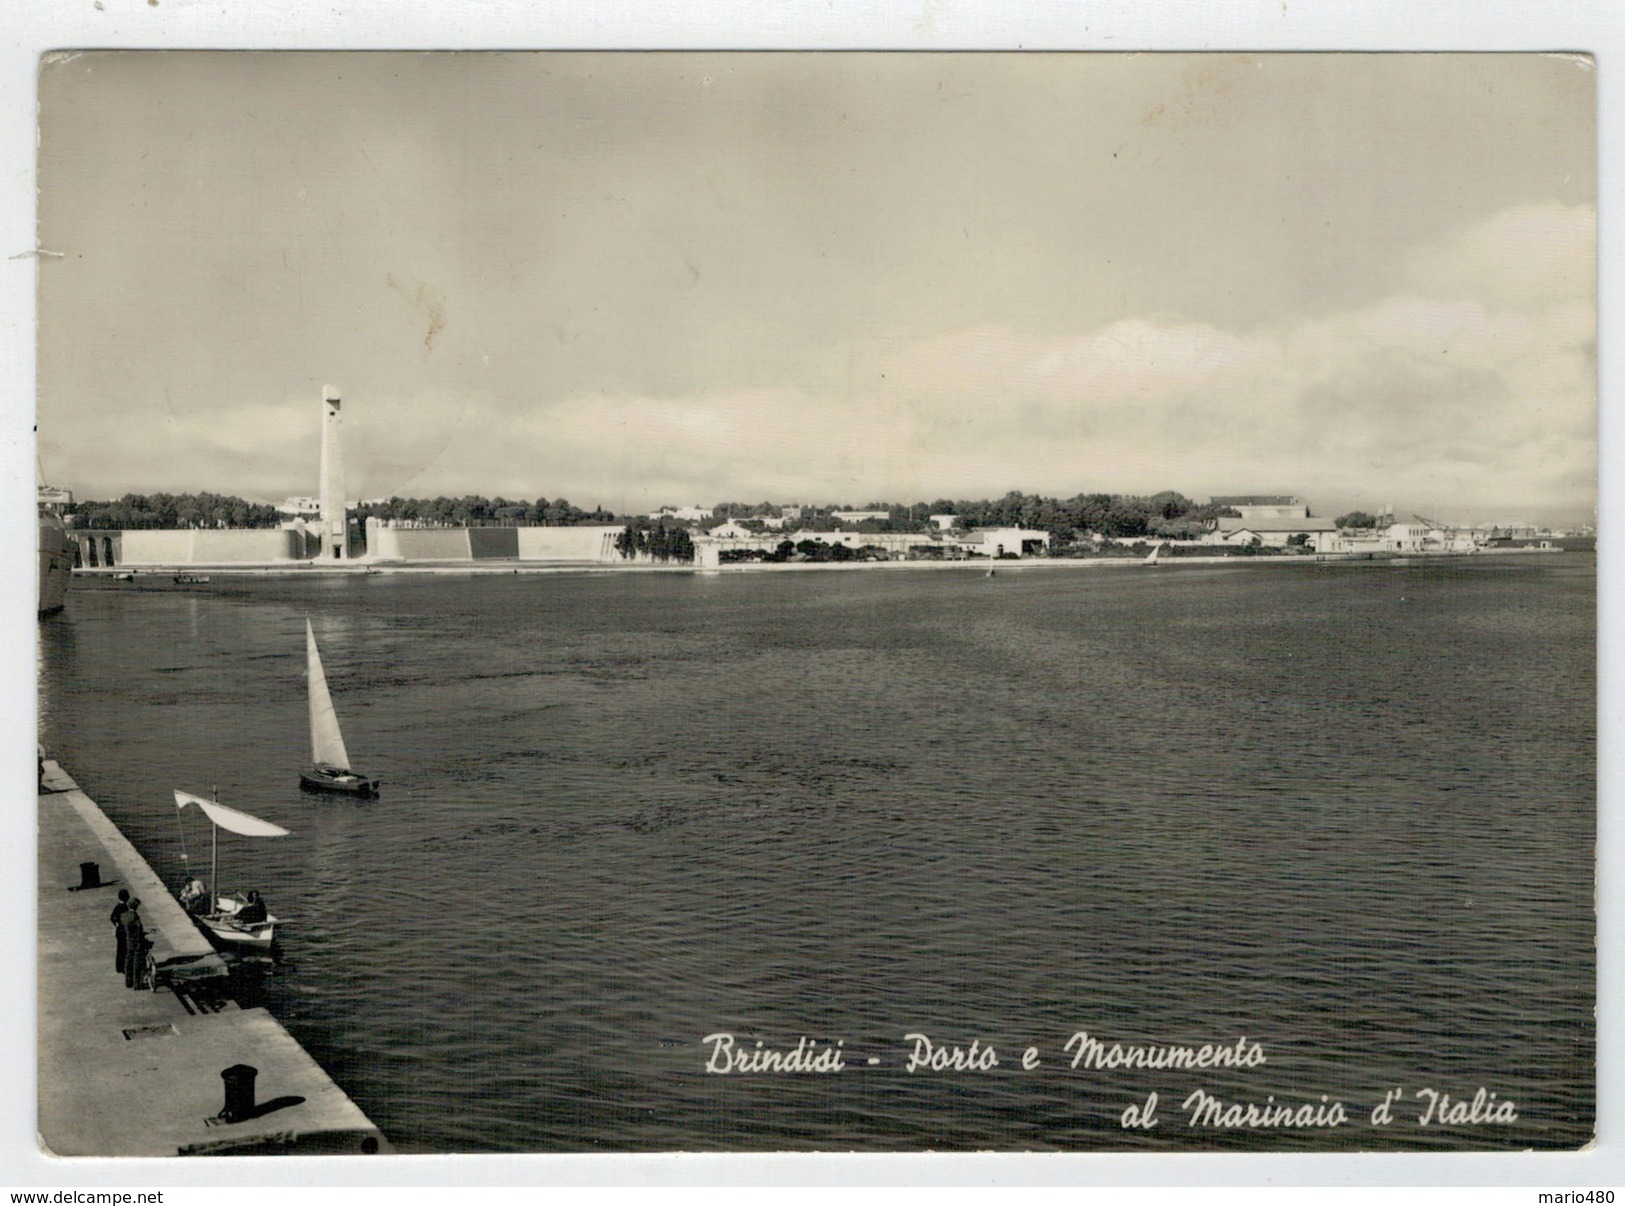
{"x":992,"y":543}
{"x":1271,"y":520}
{"x":1262,"y":506}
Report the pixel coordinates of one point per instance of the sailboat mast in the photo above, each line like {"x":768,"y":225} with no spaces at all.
{"x":214,"y":858}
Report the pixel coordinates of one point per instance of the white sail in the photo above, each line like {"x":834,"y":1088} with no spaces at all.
{"x":326,"y":742}
{"x":230,"y":818}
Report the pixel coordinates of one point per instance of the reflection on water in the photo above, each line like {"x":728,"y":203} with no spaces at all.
{"x":1348,"y":812}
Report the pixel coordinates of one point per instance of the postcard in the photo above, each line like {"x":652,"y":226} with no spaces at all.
{"x":870,"y":602}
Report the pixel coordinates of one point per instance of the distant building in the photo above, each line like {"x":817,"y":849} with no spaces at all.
{"x":1275,"y":531}
{"x":1239,"y":536}
{"x":1004,"y":542}
{"x":945,"y":523}
{"x":859,"y":516}
{"x":1262,"y":506}
{"x":1418,"y":537}
{"x":686,"y":514}
{"x":305,"y":507}
{"x":852,"y":540}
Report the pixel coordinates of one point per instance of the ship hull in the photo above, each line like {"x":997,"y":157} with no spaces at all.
{"x":55,"y":564}
{"x":346,"y":783}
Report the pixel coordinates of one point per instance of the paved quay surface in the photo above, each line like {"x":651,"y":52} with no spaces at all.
{"x":126,"y":1072}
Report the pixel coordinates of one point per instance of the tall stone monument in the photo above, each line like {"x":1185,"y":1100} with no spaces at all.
{"x":335,"y":521}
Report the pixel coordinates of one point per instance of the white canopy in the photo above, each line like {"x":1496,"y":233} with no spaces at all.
{"x":326,"y":742}
{"x":230,"y":818}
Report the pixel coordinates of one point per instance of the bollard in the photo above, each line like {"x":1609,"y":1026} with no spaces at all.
{"x":90,"y":876}
{"x":239,"y":1080}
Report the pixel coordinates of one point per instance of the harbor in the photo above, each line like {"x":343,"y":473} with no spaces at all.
{"x":180,"y":1070}
{"x":622,"y":812}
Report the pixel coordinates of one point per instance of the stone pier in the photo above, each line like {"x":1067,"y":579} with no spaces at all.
{"x":125,"y":1072}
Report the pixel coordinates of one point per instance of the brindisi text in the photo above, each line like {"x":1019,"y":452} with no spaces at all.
{"x":808,"y":1055}
{"x":1202,"y":1108}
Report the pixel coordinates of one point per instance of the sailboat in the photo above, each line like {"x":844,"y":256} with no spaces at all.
{"x":1151,"y":561}
{"x":231,"y":918}
{"x":331,"y":771}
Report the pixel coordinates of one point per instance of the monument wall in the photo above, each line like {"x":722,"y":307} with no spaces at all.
{"x":569,"y":544}
{"x":209,"y":546}
{"x":590,"y":544}
{"x":418,"y":544}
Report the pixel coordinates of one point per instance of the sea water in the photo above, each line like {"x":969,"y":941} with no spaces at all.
{"x":1343,"y":814}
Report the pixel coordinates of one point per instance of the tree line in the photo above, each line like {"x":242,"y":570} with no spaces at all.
{"x":139,"y":511}
{"x":659,"y":540}
{"x":135,"y":512}
{"x":1168,"y":515}
{"x":804,"y":550}
{"x":474,"y":510}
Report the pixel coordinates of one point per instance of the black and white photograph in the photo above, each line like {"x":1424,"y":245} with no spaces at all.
{"x":634,"y":601}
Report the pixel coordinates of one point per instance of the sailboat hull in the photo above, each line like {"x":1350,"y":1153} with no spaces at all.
{"x":222,"y":925}
{"x":330,"y":770}
{"x":330,"y":779}
{"x":257,"y":937}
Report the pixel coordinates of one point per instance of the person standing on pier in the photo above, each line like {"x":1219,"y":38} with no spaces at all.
{"x":135,"y":942}
{"x":118,"y":929}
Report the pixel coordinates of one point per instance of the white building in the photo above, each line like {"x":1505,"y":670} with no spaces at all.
{"x":1275,"y":531}
{"x":1262,"y":506}
{"x":1004,"y":542}
{"x":687,"y":514}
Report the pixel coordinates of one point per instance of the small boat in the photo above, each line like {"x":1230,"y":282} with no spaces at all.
{"x":331,"y":761}
{"x":1151,"y":562}
{"x":191,"y":579}
{"x":236,"y":919}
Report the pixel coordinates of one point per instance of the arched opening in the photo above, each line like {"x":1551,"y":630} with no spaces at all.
{"x":78,"y":555}
{"x":90,"y":551}
{"x":107,"y":550}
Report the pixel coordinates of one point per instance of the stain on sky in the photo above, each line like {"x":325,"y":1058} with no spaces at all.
{"x":429,"y":300}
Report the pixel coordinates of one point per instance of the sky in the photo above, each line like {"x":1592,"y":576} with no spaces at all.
{"x":634,"y":279}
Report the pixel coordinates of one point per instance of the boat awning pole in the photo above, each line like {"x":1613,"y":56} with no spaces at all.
{"x":214,"y":864}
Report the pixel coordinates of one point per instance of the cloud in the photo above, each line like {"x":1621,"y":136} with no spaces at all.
{"x":1527,"y":256}
{"x":1472,"y":401}
{"x":1464,"y":387}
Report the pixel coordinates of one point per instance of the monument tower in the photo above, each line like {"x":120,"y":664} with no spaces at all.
{"x":335,"y":522}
